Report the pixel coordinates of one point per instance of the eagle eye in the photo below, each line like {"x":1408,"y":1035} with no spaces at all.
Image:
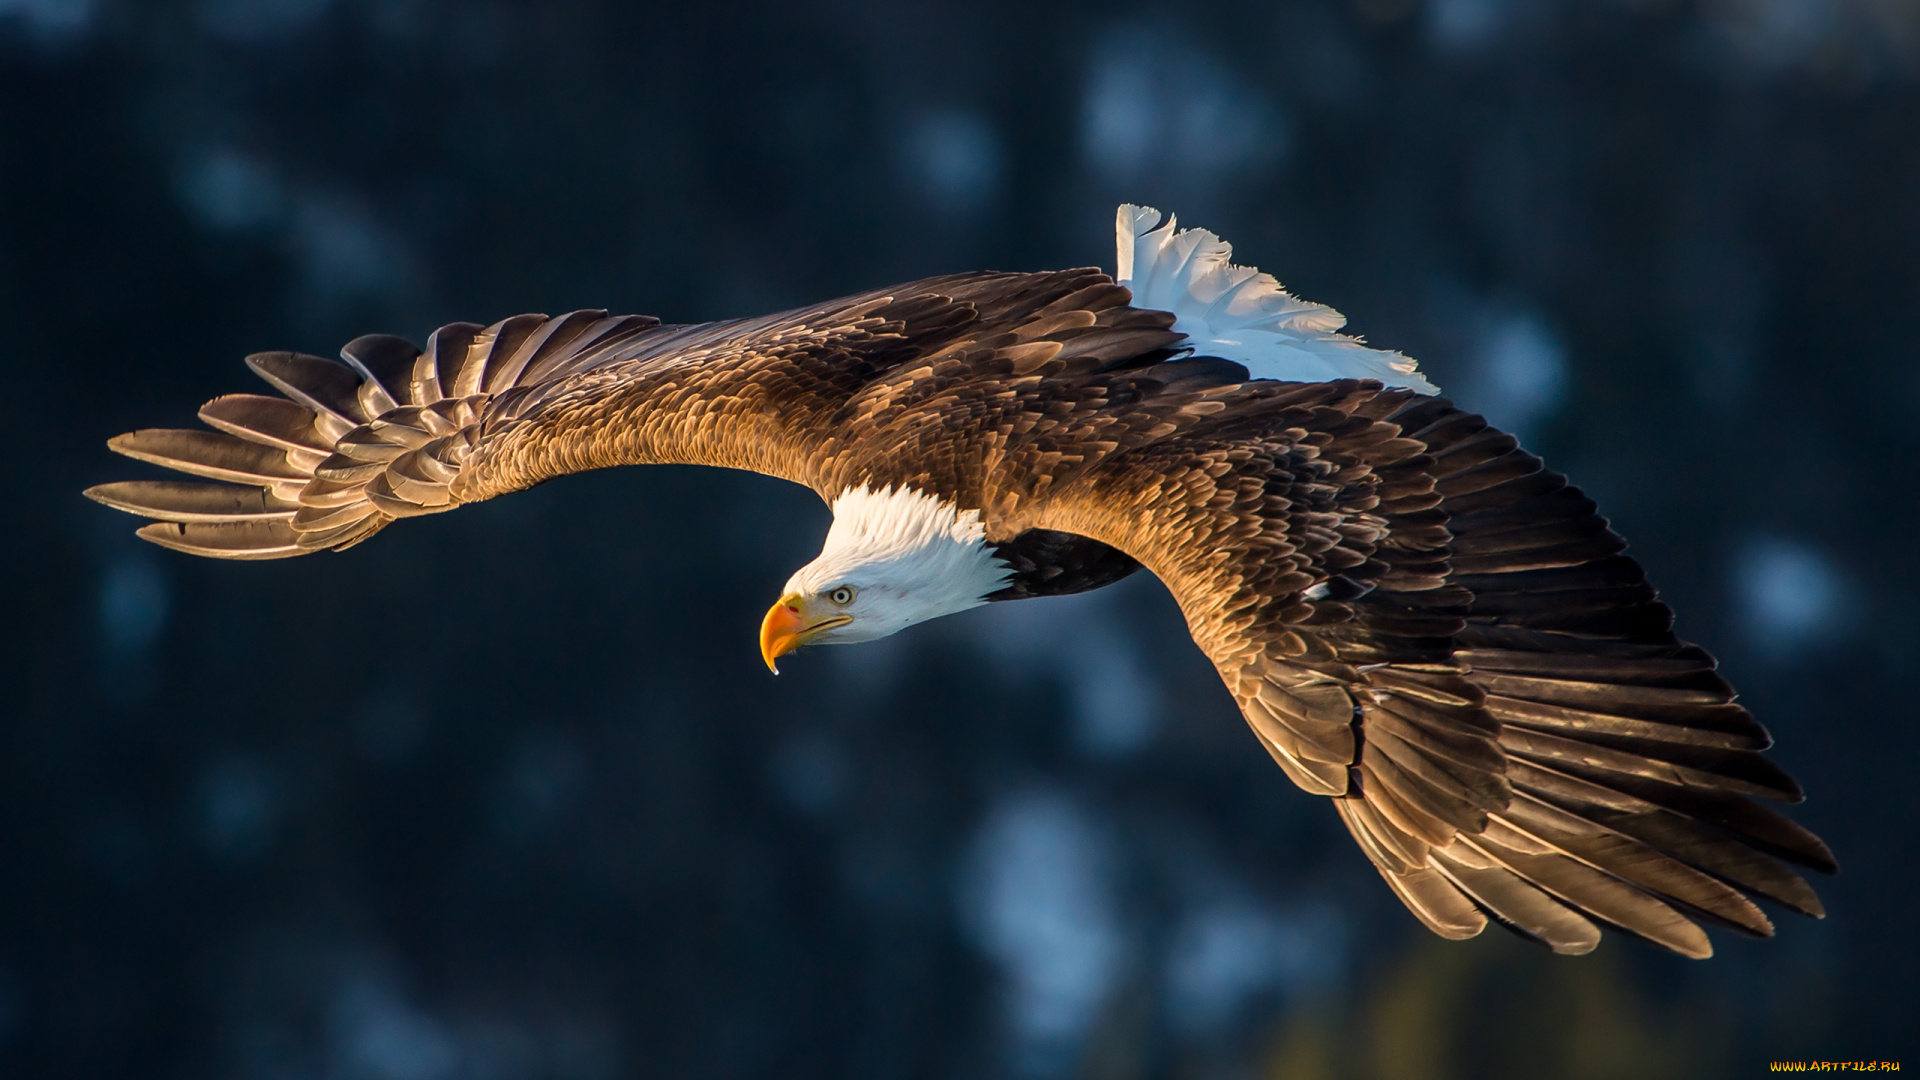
{"x":842,"y":595}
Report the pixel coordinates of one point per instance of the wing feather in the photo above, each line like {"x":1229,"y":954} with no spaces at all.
{"x":251,"y":540}
{"x":1516,"y":901}
{"x":214,"y":455}
{"x":385,"y":364}
{"x":269,"y":421}
{"x":184,"y":501}
{"x":327,"y":388}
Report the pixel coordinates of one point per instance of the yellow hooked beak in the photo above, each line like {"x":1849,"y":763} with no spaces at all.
{"x":790,"y":624}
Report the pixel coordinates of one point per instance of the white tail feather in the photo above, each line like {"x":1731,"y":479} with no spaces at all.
{"x":1241,"y":314}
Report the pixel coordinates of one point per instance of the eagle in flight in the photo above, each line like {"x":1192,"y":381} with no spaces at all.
{"x":1417,"y":619}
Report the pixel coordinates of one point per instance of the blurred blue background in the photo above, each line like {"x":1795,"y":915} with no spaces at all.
{"x":507,"y":793}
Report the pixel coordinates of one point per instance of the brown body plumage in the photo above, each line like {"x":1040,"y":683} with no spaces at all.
{"x":1415,"y":617}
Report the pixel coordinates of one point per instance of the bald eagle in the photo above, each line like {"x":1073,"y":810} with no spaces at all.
{"x":1416,"y":618}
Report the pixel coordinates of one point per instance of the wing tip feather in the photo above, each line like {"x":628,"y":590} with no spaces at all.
{"x":193,"y":541}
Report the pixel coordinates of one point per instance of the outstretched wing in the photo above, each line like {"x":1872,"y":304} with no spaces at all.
{"x":1420,"y":621}
{"x":396,"y":431}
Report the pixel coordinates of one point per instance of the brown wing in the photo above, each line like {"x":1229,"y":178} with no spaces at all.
{"x":1420,"y":621}
{"x":398,"y":431}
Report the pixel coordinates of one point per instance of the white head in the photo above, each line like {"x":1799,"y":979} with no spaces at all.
{"x":893,"y":558}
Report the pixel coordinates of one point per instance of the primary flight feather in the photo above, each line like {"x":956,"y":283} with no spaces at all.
{"x":1416,"y":618}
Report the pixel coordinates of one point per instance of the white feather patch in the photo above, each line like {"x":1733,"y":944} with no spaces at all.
{"x":1241,"y":314}
{"x":910,"y":555}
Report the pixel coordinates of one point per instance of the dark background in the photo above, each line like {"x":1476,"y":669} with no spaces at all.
{"x":507,"y":793}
